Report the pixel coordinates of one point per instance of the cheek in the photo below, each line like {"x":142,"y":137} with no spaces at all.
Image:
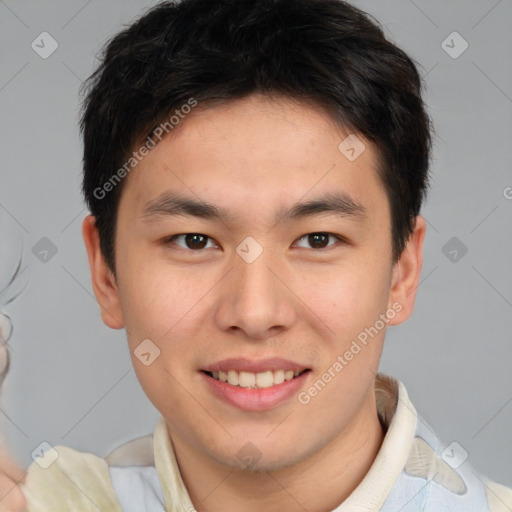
{"x":349,"y":296}
{"x":163,"y":305}
{"x":156,"y":298}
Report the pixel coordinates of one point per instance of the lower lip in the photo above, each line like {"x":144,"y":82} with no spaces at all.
{"x":254,"y":399}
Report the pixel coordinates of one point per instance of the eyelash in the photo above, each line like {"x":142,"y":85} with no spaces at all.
{"x":339,"y":238}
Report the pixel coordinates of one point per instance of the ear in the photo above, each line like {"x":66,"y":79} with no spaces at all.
{"x":406,"y":274}
{"x":103,"y":280}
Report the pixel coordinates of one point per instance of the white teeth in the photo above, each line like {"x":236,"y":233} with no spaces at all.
{"x":265,"y":379}
{"x":278,"y":376}
{"x":247,"y":380}
{"x":233,"y":378}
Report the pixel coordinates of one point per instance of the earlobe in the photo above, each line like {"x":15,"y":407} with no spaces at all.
{"x":406,"y":274}
{"x":103,"y":280}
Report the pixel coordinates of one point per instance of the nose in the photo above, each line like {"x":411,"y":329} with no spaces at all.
{"x":256,"y":300}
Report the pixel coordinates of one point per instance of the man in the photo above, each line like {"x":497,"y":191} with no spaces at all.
{"x":255,"y":173}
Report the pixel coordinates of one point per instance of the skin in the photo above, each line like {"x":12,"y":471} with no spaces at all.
{"x":199,"y":306}
{"x":11,"y":496}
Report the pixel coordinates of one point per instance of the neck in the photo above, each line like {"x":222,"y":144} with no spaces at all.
{"x":318,"y":483}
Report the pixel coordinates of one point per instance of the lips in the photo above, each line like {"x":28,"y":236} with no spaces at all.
{"x":257,"y":398}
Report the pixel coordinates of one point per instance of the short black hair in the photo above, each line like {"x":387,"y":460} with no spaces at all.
{"x":323,"y":51}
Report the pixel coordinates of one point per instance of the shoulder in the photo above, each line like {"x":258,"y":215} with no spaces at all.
{"x":440,"y":478}
{"x":63,"y":479}
{"x":436,"y":476}
{"x":453,"y":483}
{"x":464,"y":489}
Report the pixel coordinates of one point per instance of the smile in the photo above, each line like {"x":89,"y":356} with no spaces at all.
{"x":260,"y":380}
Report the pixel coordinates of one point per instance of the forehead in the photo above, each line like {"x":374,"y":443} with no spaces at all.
{"x":254,"y":156}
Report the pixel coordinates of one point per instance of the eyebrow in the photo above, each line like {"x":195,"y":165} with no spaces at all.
{"x":169,"y":204}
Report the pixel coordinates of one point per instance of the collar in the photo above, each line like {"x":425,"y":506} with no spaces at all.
{"x":398,"y":416}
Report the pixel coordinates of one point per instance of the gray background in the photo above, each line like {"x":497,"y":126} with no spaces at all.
{"x":71,"y":380}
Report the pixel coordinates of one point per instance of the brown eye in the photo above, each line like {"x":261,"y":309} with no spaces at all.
{"x":319,"y":240}
{"x":193,"y":241}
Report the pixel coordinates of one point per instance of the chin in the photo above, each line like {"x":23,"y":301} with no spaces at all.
{"x":250,"y":459}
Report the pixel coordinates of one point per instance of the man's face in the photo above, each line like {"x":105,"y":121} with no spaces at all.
{"x":211,"y":302}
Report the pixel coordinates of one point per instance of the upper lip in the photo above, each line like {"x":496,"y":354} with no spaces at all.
{"x":254,"y":366}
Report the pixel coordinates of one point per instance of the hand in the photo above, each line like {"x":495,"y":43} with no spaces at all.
{"x":11,"y":496}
